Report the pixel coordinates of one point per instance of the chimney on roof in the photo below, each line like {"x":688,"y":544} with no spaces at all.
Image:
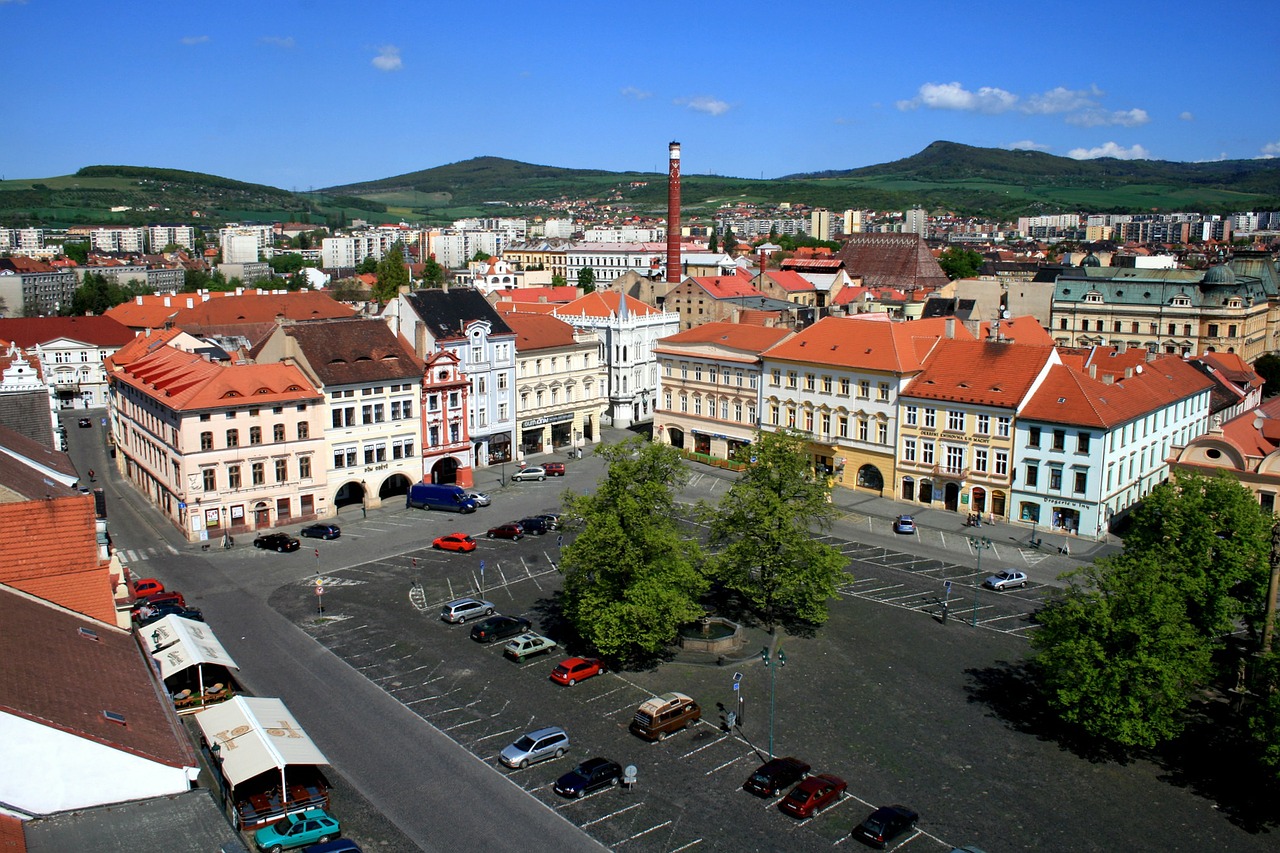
{"x":139,"y":299}
{"x":191,"y":303}
{"x":167,"y":303}
{"x":1121,"y":346}
{"x":1108,"y":378}
{"x":239,"y":291}
{"x":1093,"y":371}
{"x":1151,"y":355}
{"x":1128,"y":373}
{"x":951,"y":327}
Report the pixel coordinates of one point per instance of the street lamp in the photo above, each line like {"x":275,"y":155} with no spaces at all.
{"x":979,"y":544}
{"x":773,"y":685}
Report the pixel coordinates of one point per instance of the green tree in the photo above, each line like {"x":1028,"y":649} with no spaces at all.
{"x":1118,"y":655}
{"x":1268,"y":367}
{"x":480,"y":256}
{"x":76,"y":250}
{"x":958,"y":262}
{"x":730,"y":241}
{"x":432,"y":273}
{"x":558,"y":280}
{"x":1264,"y":717}
{"x":392,"y":274}
{"x":631,"y":579}
{"x":713,"y":245}
{"x":773,"y":233}
{"x":587,"y":280}
{"x":368,"y":266}
{"x":762,"y":534}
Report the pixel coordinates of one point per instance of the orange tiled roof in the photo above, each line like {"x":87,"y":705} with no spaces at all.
{"x":1112,"y":361}
{"x":984,"y":373}
{"x":65,"y":568}
{"x":750,"y":338}
{"x":1024,"y":330}
{"x":263,"y":308}
{"x":603,"y":303}
{"x":563,"y":295}
{"x":1255,"y":432}
{"x":1068,"y":396}
{"x":791,"y":281}
{"x":867,"y":344}
{"x":538,"y":331}
{"x":185,"y":381}
{"x":27,"y":332}
{"x":1232,"y":366}
{"x":726,"y":286}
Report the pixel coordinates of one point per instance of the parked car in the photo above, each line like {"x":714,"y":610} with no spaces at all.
{"x":321,"y":531}
{"x":554,"y":469}
{"x":142,"y":587}
{"x":884,"y":825}
{"x":510,"y":530}
{"x":146,"y":616}
{"x":277,"y":542}
{"x":660,"y":716}
{"x":528,"y":645}
{"x":534,"y":524}
{"x":551,"y":518}
{"x":158,"y":598}
{"x":454,"y":542}
{"x":1004,"y":580}
{"x":84,"y":423}
{"x":338,"y":845}
{"x":772,"y":776}
{"x":459,"y":611}
{"x":480,"y":498}
{"x":904,"y":524}
{"x":532,"y":472}
{"x":591,"y":775}
{"x":498,"y":627}
{"x":297,"y":830}
{"x":538,"y":745}
{"x":812,"y":795}
{"x":572,"y":670}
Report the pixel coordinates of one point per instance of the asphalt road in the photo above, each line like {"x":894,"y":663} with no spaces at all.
{"x":902,"y":706}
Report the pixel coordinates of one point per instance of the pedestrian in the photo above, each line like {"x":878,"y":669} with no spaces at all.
{"x":90,"y":475}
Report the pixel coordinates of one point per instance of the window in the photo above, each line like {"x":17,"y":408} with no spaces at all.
{"x":862,"y":429}
{"x":791,"y":379}
{"x":882,"y":432}
{"x":1055,"y":479}
{"x":666,"y":400}
{"x":206,"y":441}
{"x":737,"y":410}
{"x":909,"y":449}
{"x":1082,"y":482}
{"x":502,"y":386}
{"x":1082,"y":441}
{"x":926,"y":452}
{"x":277,"y":432}
{"x":955,"y":459}
{"x":824,"y":424}
{"x":684,"y":402}
{"x":844,"y":387}
{"x":259,"y":473}
{"x":255,"y":435}
{"x":864,"y":389}
{"x":808,"y":421}
{"x":930,"y":418}
{"x":697,"y":404}
{"x":282,"y":470}
{"x":1213,"y":330}
{"x":697,"y":372}
{"x":884,"y":390}
{"x":980,"y":459}
{"x":754,"y":381}
{"x":1231,"y":331}
{"x":955,"y":420}
{"x":1059,"y":440}
{"x":737,"y":379}
{"x":304,"y":467}
{"x":810,"y":382}
{"x":724,"y":408}
{"x":773,"y":415}
{"x":304,"y":430}
{"x":1033,"y":436}
{"x":233,"y":476}
{"x":751,"y":413}
{"x":433,"y":403}
{"x":233,"y":438}
{"x":1062,"y":324}
{"x":210,"y":479}
{"x":913,"y":415}
{"x":775,"y":377}
{"x":842,"y":423}
{"x":1002,"y":426}
{"x":1033,"y":475}
{"x":826,"y":385}
{"x":366,"y":414}
{"x":1002,"y":463}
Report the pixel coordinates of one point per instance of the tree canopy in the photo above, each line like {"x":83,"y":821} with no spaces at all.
{"x":761,"y":534}
{"x":631,"y":579}
{"x":392,"y":274}
{"x":958,"y":262}
{"x":97,"y":293}
{"x":587,"y":280}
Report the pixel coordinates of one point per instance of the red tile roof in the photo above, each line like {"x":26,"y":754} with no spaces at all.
{"x":891,"y":260}
{"x":55,"y":675}
{"x":791,"y":281}
{"x":1113,"y":362}
{"x":65,"y":568}
{"x":226,"y":308}
{"x":27,"y":332}
{"x":867,"y":344}
{"x":749,"y":338}
{"x":604,"y":303}
{"x":1232,"y":366}
{"x":507,"y":307}
{"x":1068,"y":396}
{"x":1023,"y":330}
{"x":537,"y":332}
{"x":1256,"y":432}
{"x":563,"y":295}
{"x":983,"y":373}
{"x":726,"y":286}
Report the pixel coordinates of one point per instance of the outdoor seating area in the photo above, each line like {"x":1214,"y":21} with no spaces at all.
{"x":267,"y":807}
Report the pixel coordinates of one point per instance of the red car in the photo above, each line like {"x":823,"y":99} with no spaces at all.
{"x":813,"y":795}
{"x":553,"y":469}
{"x":572,"y":670}
{"x":143,"y":587}
{"x":158,"y":598}
{"x":454,"y":542}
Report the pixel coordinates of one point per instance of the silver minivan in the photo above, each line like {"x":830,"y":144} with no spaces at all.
{"x":533,"y":472}
{"x":457,"y":612}
{"x":538,"y":745}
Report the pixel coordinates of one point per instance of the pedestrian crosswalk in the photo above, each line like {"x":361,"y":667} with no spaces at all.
{"x":137,"y":555}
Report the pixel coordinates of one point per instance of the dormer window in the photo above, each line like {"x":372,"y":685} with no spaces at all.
{"x":1181,"y":302}
{"x":1093,"y":296}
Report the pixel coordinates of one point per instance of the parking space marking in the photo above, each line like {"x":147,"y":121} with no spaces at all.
{"x":869,"y":592}
{"x":460,"y":725}
{"x":705,"y":746}
{"x":728,"y":763}
{"x":610,"y":815}
{"x":644,"y":832}
{"x":607,"y":693}
{"x":687,"y":846}
{"x":495,"y":734}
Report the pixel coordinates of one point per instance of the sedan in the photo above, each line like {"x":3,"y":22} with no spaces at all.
{"x":321,"y":531}
{"x":554,"y":469}
{"x":84,"y":423}
{"x":277,"y":542}
{"x":590,"y":775}
{"x":885,"y":824}
{"x":812,"y":795}
{"x":143,"y":587}
{"x":1005,"y":580}
{"x":480,"y":498}
{"x":454,"y":542}
{"x":528,"y":645}
{"x":499,"y":628}
{"x":572,"y":670}
{"x":904,"y":524}
{"x":774,"y":775}
{"x":533,"y":472}
{"x":534,"y":524}
{"x":297,"y":830}
{"x":510,"y":530}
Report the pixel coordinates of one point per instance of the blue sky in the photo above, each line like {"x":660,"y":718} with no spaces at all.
{"x":305,"y":94}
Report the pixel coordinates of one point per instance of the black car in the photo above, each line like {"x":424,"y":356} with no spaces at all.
{"x":885,"y":824}
{"x":277,"y":542}
{"x":590,"y":775}
{"x":154,"y":614}
{"x":534,"y":524}
{"x":321,"y":531}
{"x":773,"y":776}
{"x":499,"y":628}
{"x":551,"y":518}
{"x":84,"y":423}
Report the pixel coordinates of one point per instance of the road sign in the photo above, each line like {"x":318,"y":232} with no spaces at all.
{"x":559,"y":541}
{"x":319,"y":590}
{"x":482,"y":565}
{"x":319,"y":581}
{"x":736,"y":685}
{"x":737,"y":676}
{"x":947,"y":586}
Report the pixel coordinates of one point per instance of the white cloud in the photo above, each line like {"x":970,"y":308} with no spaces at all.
{"x":194,"y":39}
{"x":388,"y":59}
{"x":1187,"y":116}
{"x":953,"y":96}
{"x":1104,"y":118}
{"x":1110,"y":149}
{"x":634,"y":93}
{"x":1027,"y":145}
{"x":1271,"y":149}
{"x":1061,"y":100}
{"x":277,"y":41}
{"x":705,"y":104}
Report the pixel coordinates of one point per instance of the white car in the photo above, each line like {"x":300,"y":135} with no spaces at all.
{"x":1004,"y":580}
{"x":533,"y":472}
{"x":480,"y":498}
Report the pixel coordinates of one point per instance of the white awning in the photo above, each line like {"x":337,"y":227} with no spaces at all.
{"x":255,"y":735}
{"x":177,"y":643}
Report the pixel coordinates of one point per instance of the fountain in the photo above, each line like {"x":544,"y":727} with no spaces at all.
{"x":713,"y":634}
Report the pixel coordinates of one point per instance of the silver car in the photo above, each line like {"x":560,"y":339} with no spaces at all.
{"x":533,"y":472}
{"x":480,"y":498}
{"x":457,"y":612}
{"x":538,"y":745}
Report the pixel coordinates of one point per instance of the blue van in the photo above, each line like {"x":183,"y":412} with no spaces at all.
{"x":449,"y":498}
